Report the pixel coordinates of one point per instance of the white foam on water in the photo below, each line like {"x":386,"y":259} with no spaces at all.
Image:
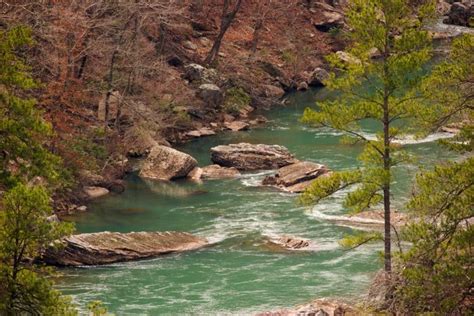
{"x":255,"y":179}
{"x":354,"y":219}
{"x":412,"y":139}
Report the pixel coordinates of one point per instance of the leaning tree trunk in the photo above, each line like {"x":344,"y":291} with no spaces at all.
{"x":227,"y":18}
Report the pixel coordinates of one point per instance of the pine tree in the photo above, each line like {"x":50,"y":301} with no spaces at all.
{"x":436,"y":273}
{"x":385,"y":90}
{"x":23,"y":131}
{"x":24,"y":232}
{"x":24,"y":227}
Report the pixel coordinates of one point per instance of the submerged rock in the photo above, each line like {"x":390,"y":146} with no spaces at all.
{"x":218,"y":172}
{"x":165,"y":163}
{"x":107,"y":247}
{"x":245,"y":156}
{"x":290,"y":243}
{"x":329,"y":20}
{"x":296,"y":177}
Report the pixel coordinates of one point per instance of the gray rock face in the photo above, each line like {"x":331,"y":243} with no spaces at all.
{"x":218,"y":172}
{"x":194,"y":72}
{"x":211,"y":94}
{"x":329,"y":20}
{"x":291,"y":243}
{"x":165,"y":163}
{"x":271,"y":91}
{"x":296,"y":177}
{"x":460,"y":13}
{"x":318,"y":76}
{"x":245,"y":156}
{"x":236,"y":126}
{"x":205,"y":131}
{"x":370,"y":220}
{"x":107,"y":247}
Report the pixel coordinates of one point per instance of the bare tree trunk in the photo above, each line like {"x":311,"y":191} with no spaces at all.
{"x":256,"y":35}
{"x":227,"y":18}
{"x":110,"y":80}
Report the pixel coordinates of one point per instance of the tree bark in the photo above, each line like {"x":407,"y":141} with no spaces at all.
{"x":226,"y":21}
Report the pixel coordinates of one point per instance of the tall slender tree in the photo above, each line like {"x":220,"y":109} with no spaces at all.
{"x":385,"y":90}
{"x":24,"y":226}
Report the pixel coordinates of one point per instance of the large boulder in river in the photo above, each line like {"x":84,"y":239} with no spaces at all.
{"x":296,"y":177}
{"x":245,"y":156}
{"x":165,"y":163}
{"x":107,"y":247}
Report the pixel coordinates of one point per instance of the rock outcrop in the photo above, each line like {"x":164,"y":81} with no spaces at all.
{"x":107,"y":247}
{"x":218,"y":172}
{"x":211,"y":94}
{"x":95,"y":192}
{"x":319,"y":307}
{"x":205,"y":131}
{"x":194,"y":72}
{"x":245,"y":156}
{"x":165,"y":163}
{"x":296,"y":177}
{"x":318,"y":76}
{"x":271,"y":91}
{"x":460,"y":13}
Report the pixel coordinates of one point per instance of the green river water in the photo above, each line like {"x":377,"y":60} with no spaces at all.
{"x":237,"y":275}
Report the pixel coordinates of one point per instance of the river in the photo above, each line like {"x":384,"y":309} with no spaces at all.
{"x":238,"y":275}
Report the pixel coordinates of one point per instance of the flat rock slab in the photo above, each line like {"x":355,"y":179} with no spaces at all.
{"x":372,"y":220}
{"x":109,"y":247}
{"x":296,"y":177}
{"x":205,"y":131}
{"x":245,"y":156}
{"x":319,"y":307}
